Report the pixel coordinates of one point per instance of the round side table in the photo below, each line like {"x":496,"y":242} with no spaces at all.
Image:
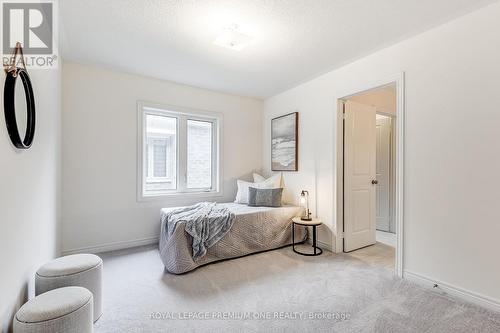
{"x":313,"y":223}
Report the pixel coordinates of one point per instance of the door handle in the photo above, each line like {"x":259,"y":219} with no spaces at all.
{"x":374,"y":182}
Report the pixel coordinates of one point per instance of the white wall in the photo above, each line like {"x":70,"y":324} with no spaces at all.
{"x":29,"y":197}
{"x":452,"y":125}
{"x":100,"y":152}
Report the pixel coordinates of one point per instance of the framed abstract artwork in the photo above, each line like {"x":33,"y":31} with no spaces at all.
{"x":284,"y":142}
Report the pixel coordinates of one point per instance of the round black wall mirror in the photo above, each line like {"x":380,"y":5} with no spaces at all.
{"x":13,"y":106}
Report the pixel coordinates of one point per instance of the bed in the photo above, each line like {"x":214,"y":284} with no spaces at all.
{"x":255,"y":229}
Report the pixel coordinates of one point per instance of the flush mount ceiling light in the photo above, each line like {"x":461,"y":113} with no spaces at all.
{"x":232,"y":39}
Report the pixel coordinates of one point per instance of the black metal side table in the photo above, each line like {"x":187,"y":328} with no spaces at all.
{"x":313,"y":223}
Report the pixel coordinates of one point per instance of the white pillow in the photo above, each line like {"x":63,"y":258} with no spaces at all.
{"x":274,"y":181}
{"x":242,"y":194}
{"x":258,"y":178}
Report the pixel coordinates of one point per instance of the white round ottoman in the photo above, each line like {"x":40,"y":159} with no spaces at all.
{"x":82,"y":270}
{"x":61,"y":310}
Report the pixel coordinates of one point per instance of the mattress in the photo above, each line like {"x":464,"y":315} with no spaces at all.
{"x":255,"y":229}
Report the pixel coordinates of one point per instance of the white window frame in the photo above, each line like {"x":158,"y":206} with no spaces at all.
{"x":182,"y":114}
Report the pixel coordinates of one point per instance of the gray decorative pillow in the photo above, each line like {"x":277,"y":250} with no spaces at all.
{"x":267,"y":197}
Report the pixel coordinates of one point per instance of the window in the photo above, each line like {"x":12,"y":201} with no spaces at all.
{"x":199,"y":154}
{"x":161,"y":153}
{"x":178,"y":150}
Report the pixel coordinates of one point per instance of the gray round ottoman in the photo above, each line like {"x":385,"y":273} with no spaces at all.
{"x":61,"y":310}
{"x":82,"y":270}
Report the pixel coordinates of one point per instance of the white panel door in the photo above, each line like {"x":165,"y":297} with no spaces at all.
{"x":359,"y":172}
{"x":383,"y":173}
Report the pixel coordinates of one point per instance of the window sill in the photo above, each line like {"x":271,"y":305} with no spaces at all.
{"x":180,"y":196}
{"x":159,"y":180}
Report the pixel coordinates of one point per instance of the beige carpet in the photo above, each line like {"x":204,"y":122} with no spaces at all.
{"x":278,"y":291}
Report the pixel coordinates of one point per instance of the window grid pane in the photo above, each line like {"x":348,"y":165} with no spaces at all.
{"x":161,"y":154}
{"x":199,"y":154}
{"x":160,"y":158}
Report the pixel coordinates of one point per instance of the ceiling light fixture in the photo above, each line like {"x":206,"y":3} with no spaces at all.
{"x":231,"y":38}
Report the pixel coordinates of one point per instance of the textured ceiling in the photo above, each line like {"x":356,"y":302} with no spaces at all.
{"x":294,"y":40}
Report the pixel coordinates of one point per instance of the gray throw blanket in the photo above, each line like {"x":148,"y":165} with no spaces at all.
{"x":206,"y":222}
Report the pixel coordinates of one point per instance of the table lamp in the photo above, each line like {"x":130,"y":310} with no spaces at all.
{"x":304,"y":202}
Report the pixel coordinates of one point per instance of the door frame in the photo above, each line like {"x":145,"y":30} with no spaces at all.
{"x":398,"y":81}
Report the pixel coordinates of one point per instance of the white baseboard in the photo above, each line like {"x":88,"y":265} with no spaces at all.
{"x":147,"y":241}
{"x":112,"y":246}
{"x":445,"y":288}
